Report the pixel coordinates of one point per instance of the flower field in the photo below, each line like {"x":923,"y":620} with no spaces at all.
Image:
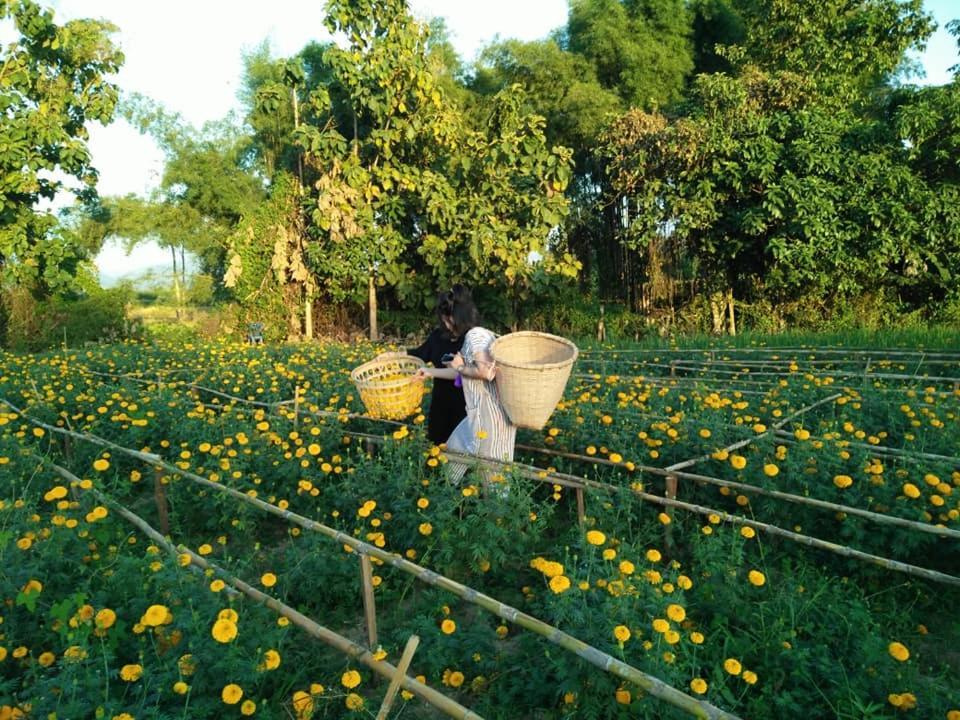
{"x":190,"y":531}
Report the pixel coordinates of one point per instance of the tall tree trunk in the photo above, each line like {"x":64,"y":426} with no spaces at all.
{"x":717,"y":307}
{"x":176,"y":282}
{"x":308,"y":316}
{"x":374,"y":334}
{"x":731,"y":319}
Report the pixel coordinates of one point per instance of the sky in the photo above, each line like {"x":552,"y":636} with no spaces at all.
{"x":187,"y":55}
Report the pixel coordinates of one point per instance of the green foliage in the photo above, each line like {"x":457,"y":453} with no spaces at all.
{"x":53,"y":80}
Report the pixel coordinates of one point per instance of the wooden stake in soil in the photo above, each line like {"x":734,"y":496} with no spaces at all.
{"x":401,"y":673}
{"x":581,"y":507}
{"x":296,"y":407}
{"x":369,"y":604}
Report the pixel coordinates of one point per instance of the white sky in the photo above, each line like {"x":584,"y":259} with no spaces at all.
{"x":187,"y":55}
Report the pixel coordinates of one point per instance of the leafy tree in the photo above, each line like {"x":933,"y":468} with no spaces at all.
{"x":53,"y":79}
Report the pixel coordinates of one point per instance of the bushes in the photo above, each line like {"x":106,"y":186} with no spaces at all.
{"x":31,"y":324}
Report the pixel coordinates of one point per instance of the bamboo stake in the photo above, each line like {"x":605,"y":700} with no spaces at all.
{"x":402,"y":666}
{"x":883,"y":450}
{"x":650,"y":684}
{"x":779,"y":351}
{"x":357,"y":652}
{"x":581,"y":507}
{"x":296,"y":407}
{"x":369,"y":603}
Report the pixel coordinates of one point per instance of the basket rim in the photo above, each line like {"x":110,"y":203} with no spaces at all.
{"x":535,"y":366}
{"x":375,"y":363}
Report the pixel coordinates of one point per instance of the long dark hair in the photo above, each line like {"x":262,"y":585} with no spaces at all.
{"x":457,"y":304}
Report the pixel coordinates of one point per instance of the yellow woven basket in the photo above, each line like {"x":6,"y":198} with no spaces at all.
{"x":387,"y":388}
{"x":532,"y":372}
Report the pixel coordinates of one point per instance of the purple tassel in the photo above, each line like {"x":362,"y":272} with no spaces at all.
{"x":458,"y":380}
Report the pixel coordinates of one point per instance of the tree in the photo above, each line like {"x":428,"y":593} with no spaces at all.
{"x":53,"y":79}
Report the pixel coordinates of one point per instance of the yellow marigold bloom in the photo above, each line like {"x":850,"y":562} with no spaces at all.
{"x":609,"y":554}
{"x":448,"y":627}
{"x":898,"y":651}
{"x":184,"y":559}
{"x":748,"y":532}
{"x":696,"y":638}
{"x":205,"y":549}
{"x":131,"y":673}
{"x":156,"y":615}
{"x":101,"y":465}
{"x":224,"y":631}
{"x":684,"y":582}
{"x":953,"y":715}
{"x":676,"y":613}
{"x":249,"y":707}
{"x":423,"y":503}
{"x":231,"y":694}
{"x":354,"y":702}
{"x":425,"y":528}
{"x":931,"y":479}
{"x":756,"y":578}
{"x":842,"y":481}
{"x":749,"y":677}
{"x":180,"y":687}
{"x":24,"y":543}
{"x":105,"y":618}
{"x":217,"y":585}
{"x":559,"y":584}
{"x":911,"y":490}
{"x":671,"y":637}
{"x":46,"y":659}
{"x":802,"y":434}
{"x":654,"y":555}
{"x":302,"y":704}
{"x":55,"y":493}
{"x":455,"y":679}
{"x":268,"y":579}
{"x":902,"y":701}
{"x":627,"y":567}
{"x":704,"y":433}
{"x":771,"y":470}
{"x":732,"y":666}
{"x":623,"y":696}
{"x":271,"y":660}
{"x":591,"y":450}
{"x":621,"y":633}
{"x":739,"y":462}
{"x":350,"y":679}
{"x":698,"y":685}
{"x":664,"y":519}
{"x":616,"y":457}
{"x":595,"y":537}
{"x":661,"y":625}
{"x":228,"y":614}
{"x":502,"y":631}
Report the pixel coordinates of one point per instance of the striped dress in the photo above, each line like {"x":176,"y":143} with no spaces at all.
{"x":486,"y":430}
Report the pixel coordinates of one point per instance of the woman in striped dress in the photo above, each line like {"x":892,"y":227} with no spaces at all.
{"x":486,"y":431}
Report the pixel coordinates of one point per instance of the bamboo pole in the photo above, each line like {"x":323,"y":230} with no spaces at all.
{"x":402,"y":667}
{"x":883,"y":450}
{"x":650,"y":684}
{"x":557,"y":478}
{"x":581,"y":507}
{"x":742,"y":443}
{"x":756,"y":490}
{"x":780,"y":351}
{"x":369,"y":603}
{"x":160,"y":498}
{"x":449,"y":707}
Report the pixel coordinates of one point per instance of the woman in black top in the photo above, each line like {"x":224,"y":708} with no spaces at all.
{"x":447,"y":407}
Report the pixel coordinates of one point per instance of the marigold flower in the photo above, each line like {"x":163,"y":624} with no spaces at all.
{"x":228,"y":614}
{"x":756,"y":578}
{"x":911,"y":490}
{"x":353,"y":702}
{"x":101,"y":465}
{"x":425,"y":528}
{"x":748,"y":532}
{"x":902,"y":701}
{"x":653,"y":555}
{"x":46,"y":659}
{"x":559,"y":584}
{"x":739,"y":462}
{"x":898,"y":651}
{"x":448,"y":627}
{"x":627,"y":567}
{"x":302,"y":704}
{"x":698,"y":685}
{"x":249,"y":707}
{"x":271,"y":660}
{"x":732,"y":666}
{"x":350,"y":679}
{"x":623,"y":696}
{"x":664,"y":519}
{"x":455,"y":679}
{"x":268,"y":579}
{"x":771,"y":470}
{"x":156,"y":615}
{"x":595,"y":537}
{"x":131,"y":673}
{"x":224,"y":631}
{"x":660,"y":625}
{"x":842,"y":481}
{"x":749,"y":677}
{"x":231,"y":694}
{"x":676,"y":613}
{"x":180,"y":687}
{"x":697,"y":638}
{"x":217,"y":585}
{"x":609,"y":554}
{"x":621,"y":633}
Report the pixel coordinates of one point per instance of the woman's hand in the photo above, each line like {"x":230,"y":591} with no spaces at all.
{"x":457,"y":362}
{"x":421,"y":374}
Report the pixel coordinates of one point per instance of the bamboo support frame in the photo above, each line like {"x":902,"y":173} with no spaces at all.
{"x":648,"y":683}
{"x":160,"y":498}
{"x":369,"y":603}
{"x":449,"y":707}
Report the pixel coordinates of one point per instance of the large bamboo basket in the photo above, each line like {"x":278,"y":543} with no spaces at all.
{"x":387,"y":387}
{"x":532,"y":373}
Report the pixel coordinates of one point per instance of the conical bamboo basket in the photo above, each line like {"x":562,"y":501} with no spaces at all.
{"x":532,"y":373}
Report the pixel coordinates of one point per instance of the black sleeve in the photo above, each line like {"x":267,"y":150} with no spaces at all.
{"x":426,"y":349}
